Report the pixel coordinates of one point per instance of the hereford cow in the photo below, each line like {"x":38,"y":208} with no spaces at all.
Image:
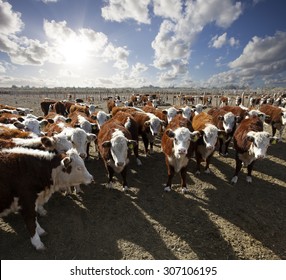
{"x":114,"y":141}
{"x":251,"y":143}
{"x":277,"y":118}
{"x":225,"y":121}
{"x":207,"y":142}
{"x":149,"y":126}
{"x":131,"y":125}
{"x":38,"y":175}
{"x":177,"y":145}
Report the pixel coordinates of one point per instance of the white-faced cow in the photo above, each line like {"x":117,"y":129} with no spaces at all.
{"x":225,"y":121}
{"x":29,"y":177}
{"x":114,"y":141}
{"x":178,"y":146}
{"x":251,"y":143}
{"x":207,"y":142}
{"x":277,"y":118}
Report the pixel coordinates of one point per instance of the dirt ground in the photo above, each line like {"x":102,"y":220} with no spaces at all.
{"x":214,"y":220}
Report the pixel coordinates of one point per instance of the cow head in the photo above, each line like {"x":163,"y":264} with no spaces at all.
{"x":118,"y":145}
{"x":181,"y":140}
{"x":72,"y":171}
{"x":283,"y":116}
{"x":155,"y":124}
{"x":260,"y":142}
{"x":171,"y":113}
{"x":58,"y":142}
{"x":210,"y":135}
{"x":228,"y":122}
{"x":187,"y":112}
{"x":79,"y":139}
{"x":101,"y":118}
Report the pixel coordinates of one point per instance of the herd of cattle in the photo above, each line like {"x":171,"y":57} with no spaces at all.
{"x":48,"y":153}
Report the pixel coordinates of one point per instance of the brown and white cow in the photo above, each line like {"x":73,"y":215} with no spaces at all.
{"x":131,"y":125}
{"x":251,"y":143}
{"x":207,"y":142}
{"x":177,"y":145}
{"x":29,"y":177}
{"x":149,"y":127}
{"x":277,"y":118}
{"x":225,"y":121}
{"x":114,"y":141}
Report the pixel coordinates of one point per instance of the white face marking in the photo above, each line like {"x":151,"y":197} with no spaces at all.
{"x":210,"y":136}
{"x":260,"y":143}
{"x":181,"y":141}
{"x":32,"y":125}
{"x":228,"y":122}
{"x":119,"y":149}
{"x":187,"y":112}
{"x":101,"y":117}
{"x":171,"y":113}
{"x":155,"y":124}
{"x":283,"y":117}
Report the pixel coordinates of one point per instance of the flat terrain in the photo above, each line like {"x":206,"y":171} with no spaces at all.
{"x":214,"y":220}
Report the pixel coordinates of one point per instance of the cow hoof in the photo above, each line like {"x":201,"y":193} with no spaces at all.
{"x":234,"y":180}
{"x":109,"y":185}
{"x":138,"y":161}
{"x":167,"y":189}
{"x":125,"y":188}
{"x":248,"y":179}
{"x":207,"y":171}
{"x":184,"y":190}
{"x":198,"y":172}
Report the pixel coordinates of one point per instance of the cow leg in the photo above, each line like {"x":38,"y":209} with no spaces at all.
{"x":87,"y":150}
{"x":110,"y":172}
{"x":273,"y":130}
{"x":171,"y":173}
{"x":198,"y":166}
{"x":145,"y":142}
{"x":220,"y":146}
{"x":183,"y":179}
{"x":249,"y":171}
{"x":29,"y":215}
{"x":136,"y":153}
{"x":124,"y":180}
{"x":226,"y":144}
{"x":237,"y":169}
{"x":151,"y":147}
{"x":207,"y":168}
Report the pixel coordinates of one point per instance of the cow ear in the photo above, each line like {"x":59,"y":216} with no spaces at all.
{"x":48,"y":142}
{"x":267,"y":118}
{"x":19,"y":125}
{"x":94,"y":117}
{"x":68,"y":120}
{"x":238,"y":119}
{"x":165,"y":112}
{"x":66,"y":161}
{"x":195,"y":136}
{"x":221,"y":118}
{"x":76,"y":125}
{"x":106,"y":144}
{"x":43,"y":123}
{"x":274,"y":140}
{"x":147,"y":123}
{"x":250,"y":138}
{"x":131,"y":144}
{"x":170,"y":133}
{"x":221,"y":134}
{"x":50,"y":120}
{"x":91,"y":137}
{"x":20,"y":119}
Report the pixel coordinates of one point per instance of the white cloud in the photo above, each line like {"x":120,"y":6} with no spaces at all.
{"x":10,"y":21}
{"x":173,"y":43}
{"x":262,"y":59}
{"x":168,"y":8}
{"x":138,"y":68}
{"x":126,"y":9}
{"x":2,"y":68}
{"x":219,"y":41}
{"x":49,"y":1}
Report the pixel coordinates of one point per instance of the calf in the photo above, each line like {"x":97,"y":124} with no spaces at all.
{"x":207,"y":142}
{"x":113,"y":142}
{"x":29,"y":177}
{"x":251,"y":143}
{"x":177,"y":145}
{"x":277,"y":118}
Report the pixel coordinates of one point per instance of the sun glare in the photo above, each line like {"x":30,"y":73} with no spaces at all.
{"x":74,"y":51}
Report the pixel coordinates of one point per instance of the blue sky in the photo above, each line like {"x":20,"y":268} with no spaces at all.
{"x":135,"y":43}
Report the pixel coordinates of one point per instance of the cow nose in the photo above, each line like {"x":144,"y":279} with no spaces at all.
{"x":260,"y":156}
{"x":182,"y":151}
{"x":120,"y":163}
{"x":82,"y":155}
{"x":209,"y":147}
{"x":228,"y":130}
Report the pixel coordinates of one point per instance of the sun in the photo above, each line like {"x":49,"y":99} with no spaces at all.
{"x":74,"y":51}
